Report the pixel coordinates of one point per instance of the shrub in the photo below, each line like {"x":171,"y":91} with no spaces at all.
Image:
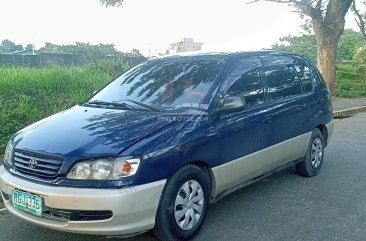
{"x":29,"y":94}
{"x":350,"y":81}
{"x":113,"y":67}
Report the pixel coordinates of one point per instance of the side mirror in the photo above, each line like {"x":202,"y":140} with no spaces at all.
{"x":232,"y":103}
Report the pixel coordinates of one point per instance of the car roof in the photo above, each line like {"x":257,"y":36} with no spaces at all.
{"x":224,"y":56}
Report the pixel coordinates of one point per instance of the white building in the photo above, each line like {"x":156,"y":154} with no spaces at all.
{"x":186,"y":45}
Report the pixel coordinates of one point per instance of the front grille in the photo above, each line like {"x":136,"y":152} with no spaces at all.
{"x":37,"y":165}
{"x":93,"y":215}
{"x":57,"y":214}
{"x":75,"y":215}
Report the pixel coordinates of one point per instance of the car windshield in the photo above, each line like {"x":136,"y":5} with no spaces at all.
{"x":164,"y":84}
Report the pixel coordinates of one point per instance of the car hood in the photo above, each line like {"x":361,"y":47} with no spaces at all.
{"x":85,"y":132}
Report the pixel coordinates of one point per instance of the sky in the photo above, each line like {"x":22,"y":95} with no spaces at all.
{"x":149,"y":25}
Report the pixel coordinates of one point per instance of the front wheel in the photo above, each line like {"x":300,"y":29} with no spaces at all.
{"x":183,"y":206}
{"x":313,"y":159}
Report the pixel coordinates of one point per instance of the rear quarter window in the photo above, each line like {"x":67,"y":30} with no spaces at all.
{"x":304,"y":74}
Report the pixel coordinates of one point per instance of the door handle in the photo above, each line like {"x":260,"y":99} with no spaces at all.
{"x":267,"y":120}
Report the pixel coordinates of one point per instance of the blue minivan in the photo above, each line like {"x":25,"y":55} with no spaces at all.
{"x":158,"y":144}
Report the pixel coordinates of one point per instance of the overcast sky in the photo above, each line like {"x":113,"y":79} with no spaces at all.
{"x":149,"y":25}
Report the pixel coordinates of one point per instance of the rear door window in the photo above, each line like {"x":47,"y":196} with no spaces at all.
{"x":282,"y":82}
{"x":249,"y":86}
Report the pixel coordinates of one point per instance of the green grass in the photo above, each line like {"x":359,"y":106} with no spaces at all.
{"x":350,"y":82}
{"x":1,"y":204}
{"x":30,"y":94}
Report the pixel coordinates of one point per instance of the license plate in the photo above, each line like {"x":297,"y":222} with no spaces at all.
{"x":27,"y":202}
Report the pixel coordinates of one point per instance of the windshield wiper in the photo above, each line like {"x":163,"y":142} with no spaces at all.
{"x":112,"y":104}
{"x":151,"y":107}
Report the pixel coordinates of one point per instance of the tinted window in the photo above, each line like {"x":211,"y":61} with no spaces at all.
{"x":272,"y":60}
{"x":304,"y":73}
{"x":238,"y":70}
{"x":249,"y":86}
{"x":167,"y":83}
{"x":282,"y":82}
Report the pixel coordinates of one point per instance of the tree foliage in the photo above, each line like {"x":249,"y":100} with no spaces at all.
{"x":304,"y":45}
{"x":29,"y":47}
{"x":87,"y":50}
{"x":349,"y":43}
{"x":8,"y":46}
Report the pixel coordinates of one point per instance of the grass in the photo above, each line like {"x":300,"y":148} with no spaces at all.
{"x":1,"y":204}
{"x":30,"y":94}
{"x":350,"y":81}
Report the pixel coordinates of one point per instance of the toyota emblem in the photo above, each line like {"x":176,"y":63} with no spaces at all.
{"x":33,"y":163}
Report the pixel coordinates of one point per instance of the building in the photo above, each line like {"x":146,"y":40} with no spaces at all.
{"x":186,"y":45}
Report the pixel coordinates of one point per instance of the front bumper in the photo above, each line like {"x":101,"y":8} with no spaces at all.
{"x":134,"y":208}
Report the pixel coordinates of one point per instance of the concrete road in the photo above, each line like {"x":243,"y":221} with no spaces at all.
{"x":331,"y":206}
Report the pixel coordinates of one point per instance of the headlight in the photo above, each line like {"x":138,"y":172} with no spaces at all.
{"x":8,"y":155}
{"x":104,"y":169}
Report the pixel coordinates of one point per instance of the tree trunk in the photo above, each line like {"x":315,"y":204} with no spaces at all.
{"x":327,"y":57}
{"x":328,"y":27}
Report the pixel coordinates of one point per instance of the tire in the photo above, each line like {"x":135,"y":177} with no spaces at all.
{"x":313,"y":159}
{"x":167,"y":227}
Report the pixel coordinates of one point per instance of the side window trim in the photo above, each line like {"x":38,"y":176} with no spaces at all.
{"x":264,"y":80}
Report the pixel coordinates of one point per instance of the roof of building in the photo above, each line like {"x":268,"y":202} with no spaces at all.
{"x":25,"y":52}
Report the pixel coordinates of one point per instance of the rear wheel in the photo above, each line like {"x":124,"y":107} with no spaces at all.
{"x":183,"y":206}
{"x":313,"y":159}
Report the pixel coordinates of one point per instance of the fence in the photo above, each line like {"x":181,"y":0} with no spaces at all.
{"x":48,"y":59}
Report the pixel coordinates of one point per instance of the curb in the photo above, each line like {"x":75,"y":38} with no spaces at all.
{"x":2,"y":210}
{"x":348,"y":112}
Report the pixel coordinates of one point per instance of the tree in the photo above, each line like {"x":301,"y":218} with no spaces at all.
{"x":326,"y":18}
{"x":51,"y":48}
{"x":305,"y":44}
{"x":349,"y":43}
{"x":8,"y":46}
{"x":88,"y":51}
{"x":136,"y":53}
{"x":29,"y":47}
{"x":360,"y":18}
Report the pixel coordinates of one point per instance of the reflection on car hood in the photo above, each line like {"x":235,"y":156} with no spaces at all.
{"x":87,"y":132}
